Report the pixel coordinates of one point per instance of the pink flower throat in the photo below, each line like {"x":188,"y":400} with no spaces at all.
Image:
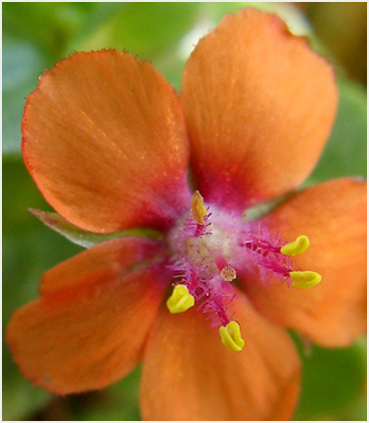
{"x":209,"y":251}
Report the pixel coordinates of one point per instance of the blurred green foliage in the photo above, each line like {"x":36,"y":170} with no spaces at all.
{"x":35,"y":36}
{"x":333,"y":380}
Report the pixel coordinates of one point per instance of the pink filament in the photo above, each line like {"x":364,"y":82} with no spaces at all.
{"x":251,"y":246}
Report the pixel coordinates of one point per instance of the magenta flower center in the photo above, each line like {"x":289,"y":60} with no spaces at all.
{"x":210,"y":247}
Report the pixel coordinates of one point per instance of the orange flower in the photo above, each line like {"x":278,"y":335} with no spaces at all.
{"x":108,"y":142}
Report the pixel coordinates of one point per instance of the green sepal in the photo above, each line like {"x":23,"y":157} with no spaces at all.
{"x":84,"y":238}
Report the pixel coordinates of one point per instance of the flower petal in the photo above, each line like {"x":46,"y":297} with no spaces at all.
{"x":333,"y":216}
{"x":259,"y":105}
{"x":89,"y":327}
{"x":105,"y":141}
{"x":188,"y":374}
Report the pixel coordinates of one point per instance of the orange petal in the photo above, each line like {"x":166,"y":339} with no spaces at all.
{"x":333,"y":216}
{"x":89,"y":333}
{"x":259,"y":105}
{"x":188,"y":374}
{"x":105,"y":141}
{"x":109,"y":260}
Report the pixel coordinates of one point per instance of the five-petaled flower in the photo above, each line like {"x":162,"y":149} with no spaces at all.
{"x":109,"y":142}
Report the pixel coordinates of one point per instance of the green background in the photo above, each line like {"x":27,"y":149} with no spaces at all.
{"x":35,"y":36}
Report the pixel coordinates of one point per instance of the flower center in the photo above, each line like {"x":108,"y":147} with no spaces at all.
{"x":209,"y":249}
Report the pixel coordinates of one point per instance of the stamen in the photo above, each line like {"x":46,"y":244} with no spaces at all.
{"x":263,"y":250}
{"x":198,"y":209}
{"x":299,"y":246}
{"x":211,"y":248}
{"x":228,"y":273}
{"x":305,"y":279}
{"x":230,"y":336}
{"x":180,"y":300}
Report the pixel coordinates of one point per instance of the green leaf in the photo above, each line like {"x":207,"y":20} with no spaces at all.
{"x":333,"y":381}
{"x":346,"y":152}
{"x":144,"y":29}
{"x":48,"y":25}
{"x":22,"y":64}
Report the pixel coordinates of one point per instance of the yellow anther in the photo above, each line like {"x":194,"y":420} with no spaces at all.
{"x":305,"y":279}
{"x":198,"y":209}
{"x":230,"y":336}
{"x":180,"y":300}
{"x":228,"y":273}
{"x":296,"y":247}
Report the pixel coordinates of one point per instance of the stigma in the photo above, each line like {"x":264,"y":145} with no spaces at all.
{"x":210,"y":247}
